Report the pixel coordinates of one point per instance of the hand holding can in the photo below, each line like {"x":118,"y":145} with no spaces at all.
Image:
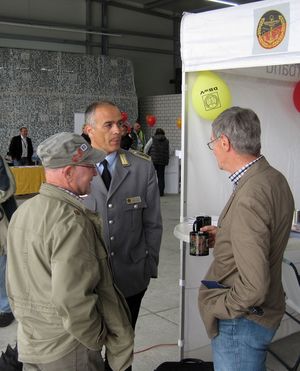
{"x":212,"y":231}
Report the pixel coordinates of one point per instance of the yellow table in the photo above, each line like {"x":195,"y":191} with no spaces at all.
{"x":28,"y":178}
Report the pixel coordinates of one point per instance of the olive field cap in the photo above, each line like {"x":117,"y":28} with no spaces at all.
{"x":65,"y":149}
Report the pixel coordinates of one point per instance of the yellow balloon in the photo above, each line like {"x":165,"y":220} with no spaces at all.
{"x":178,"y":122}
{"x":210,"y":95}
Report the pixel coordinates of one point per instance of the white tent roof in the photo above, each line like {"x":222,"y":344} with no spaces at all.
{"x":228,"y":37}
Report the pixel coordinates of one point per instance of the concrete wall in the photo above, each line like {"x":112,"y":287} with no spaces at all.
{"x":42,"y":90}
{"x":152,"y":57}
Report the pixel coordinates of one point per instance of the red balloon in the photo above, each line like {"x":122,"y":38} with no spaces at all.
{"x":151,"y":120}
{"x":128,"y":127}
{"x":296,"y":96}
{"x":124,"y":116}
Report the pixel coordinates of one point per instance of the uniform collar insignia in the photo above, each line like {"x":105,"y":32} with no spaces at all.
{"x":123,"y":159}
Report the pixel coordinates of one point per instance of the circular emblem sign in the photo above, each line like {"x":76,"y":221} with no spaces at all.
{"x":271,"y":29}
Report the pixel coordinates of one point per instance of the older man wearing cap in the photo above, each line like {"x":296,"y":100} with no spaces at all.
{"x":59,"y":281}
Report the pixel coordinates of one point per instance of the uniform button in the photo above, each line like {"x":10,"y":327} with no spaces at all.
{"x":136,"y":206}
{"x":110,"y":222}
{"x":109,"y":206}
{"x":112,"y":253}
{"x":147,"y":252}
{"x":112,"y":238}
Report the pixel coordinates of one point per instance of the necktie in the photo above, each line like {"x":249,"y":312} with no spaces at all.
{"x":24,"y":142}
{"x":106,"y":174}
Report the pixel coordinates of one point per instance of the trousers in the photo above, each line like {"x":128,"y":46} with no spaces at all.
{"x":160,"y":172}
{"x":80,"y":359}
{"x":241,"y":345}
{"x":4,"y":304}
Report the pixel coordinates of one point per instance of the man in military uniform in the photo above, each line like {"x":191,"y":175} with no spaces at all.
{"x":126,"y":196}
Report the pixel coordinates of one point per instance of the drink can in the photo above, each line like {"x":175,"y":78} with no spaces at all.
{"x":200,"y":222}
{"x":199,"y":243}
{"x":203,"y":248}
{"x":296,"y":219}
{"x":193,"y":243}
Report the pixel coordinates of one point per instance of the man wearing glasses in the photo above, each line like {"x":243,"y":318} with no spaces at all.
{"x":59,"y":280}
{"x":249,"y":241}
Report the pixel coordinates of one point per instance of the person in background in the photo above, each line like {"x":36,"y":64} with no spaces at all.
{"x":126,"y":139}
{"x":84,"y":134}
{"x":242,"y":316}
{"x":59,"y":281}
{"x":138,"y":137}
{"x":8,"y":206}
{"x":158,"y":148}
{"x":126,"y":196}
{"x":20,"y":148}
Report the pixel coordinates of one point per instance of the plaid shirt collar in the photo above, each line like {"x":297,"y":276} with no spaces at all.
{"x":236,"y":176}
{"x":71,"y":194}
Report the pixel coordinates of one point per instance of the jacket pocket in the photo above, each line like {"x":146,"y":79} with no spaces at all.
{"x":134,"y":214}
{"x":138,"y":254}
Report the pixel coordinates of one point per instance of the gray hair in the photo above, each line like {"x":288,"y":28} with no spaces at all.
{"x":90,"y":111}
{"x":242,"y":127}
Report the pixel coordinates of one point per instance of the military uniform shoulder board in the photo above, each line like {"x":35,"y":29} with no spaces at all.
{"x":123,"y":159}
{"x":140,"y":154}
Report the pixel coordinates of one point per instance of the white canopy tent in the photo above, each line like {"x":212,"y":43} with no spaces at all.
{"x":259,"y":77}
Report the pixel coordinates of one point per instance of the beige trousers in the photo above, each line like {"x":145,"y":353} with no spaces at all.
{"x":80,"y":359}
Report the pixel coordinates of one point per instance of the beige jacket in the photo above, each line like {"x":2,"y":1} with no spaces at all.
{"x":253,"y":230}
{"x":60,"y":284}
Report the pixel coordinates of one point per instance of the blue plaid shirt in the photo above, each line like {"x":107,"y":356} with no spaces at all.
{"x":236,"y":176}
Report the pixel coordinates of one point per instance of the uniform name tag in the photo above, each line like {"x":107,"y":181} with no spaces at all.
{"x":133,"y":200}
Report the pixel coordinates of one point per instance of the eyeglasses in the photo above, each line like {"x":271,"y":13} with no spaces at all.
{"x":209,"y":144}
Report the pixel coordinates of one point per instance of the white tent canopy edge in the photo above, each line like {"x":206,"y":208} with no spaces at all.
{"x":226,"y":38}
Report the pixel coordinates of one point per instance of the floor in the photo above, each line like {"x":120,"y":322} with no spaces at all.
{"x":158,"y":323}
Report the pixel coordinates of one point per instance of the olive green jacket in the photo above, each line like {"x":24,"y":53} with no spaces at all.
{"x":60,"y":284}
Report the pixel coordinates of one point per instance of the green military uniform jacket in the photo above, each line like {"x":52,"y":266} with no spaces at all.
{"x":60,"y":285}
